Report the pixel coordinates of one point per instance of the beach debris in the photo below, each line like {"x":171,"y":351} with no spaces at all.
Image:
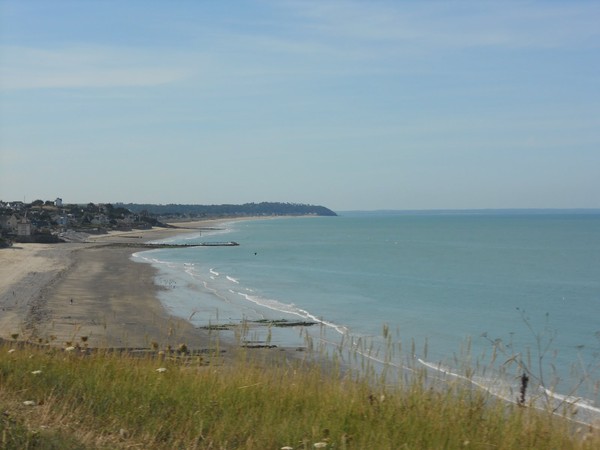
{"x":29,"y":403}
{"x":161,"y":369}
{"x":36,"y":372}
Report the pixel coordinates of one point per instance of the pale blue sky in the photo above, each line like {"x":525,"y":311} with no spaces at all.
{"x":348,"y":104}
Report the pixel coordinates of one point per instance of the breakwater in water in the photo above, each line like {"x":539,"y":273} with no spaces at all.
{"x":151,"y":246}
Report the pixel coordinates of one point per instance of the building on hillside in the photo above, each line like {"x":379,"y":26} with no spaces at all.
{"x":24,"y":227}
{"x":9,"y":223}
{"x":4,"y":223}
{"x":60,"y":220}
{"x":17,"y":206}
{"x":58,"y":202}
{"x":100,"y":219}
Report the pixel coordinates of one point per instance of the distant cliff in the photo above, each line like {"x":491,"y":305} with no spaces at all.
{"x":247,"y":209}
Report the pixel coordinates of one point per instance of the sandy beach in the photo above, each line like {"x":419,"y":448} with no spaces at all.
{"x":71,"y":292}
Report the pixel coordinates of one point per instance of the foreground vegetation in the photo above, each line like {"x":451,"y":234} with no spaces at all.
{"x":52,"y":398}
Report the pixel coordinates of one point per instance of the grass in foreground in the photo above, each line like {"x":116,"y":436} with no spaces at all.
{"x":50,"y":398}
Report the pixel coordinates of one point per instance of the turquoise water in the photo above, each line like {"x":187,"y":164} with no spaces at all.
{"x":450,"y":283}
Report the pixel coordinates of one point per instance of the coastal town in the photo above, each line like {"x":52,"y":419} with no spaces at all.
{"x":51,"y":221}
{"x":54,"y":221}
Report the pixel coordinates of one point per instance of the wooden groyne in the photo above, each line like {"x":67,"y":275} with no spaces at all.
{"x":218,"y":244}
{"x":156,"y":246}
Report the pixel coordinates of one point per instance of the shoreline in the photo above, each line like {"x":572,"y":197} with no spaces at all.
{"x":64,"y":293}
{"x":115,"y":299}
{"x":94,"y":295}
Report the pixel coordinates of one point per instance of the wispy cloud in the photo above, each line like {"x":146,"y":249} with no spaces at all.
{"x":311,"y":39}
{"x":82,"y":67}
{"x":454,"y":24}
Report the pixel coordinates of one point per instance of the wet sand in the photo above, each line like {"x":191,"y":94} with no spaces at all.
{"x":71,"y":292}
{"x":92,"y":294}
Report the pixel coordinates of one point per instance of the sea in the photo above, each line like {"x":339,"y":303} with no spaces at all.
{"x":476,"y":296}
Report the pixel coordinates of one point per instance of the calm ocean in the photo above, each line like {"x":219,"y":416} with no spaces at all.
{"x":449,"y":282}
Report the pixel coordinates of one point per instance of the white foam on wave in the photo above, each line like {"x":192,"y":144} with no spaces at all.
{"x":508,"y":392}
{"x":276,"y":305}
{"x":496,"y":387}
{"x":145,"y":257}
{"x":579,"y":402}
{"x":212,"y":282}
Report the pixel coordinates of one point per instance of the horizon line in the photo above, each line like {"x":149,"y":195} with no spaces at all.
{"x":470,"y":210}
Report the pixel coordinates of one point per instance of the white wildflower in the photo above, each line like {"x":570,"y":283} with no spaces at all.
{"x":12,"y":350}
{"x":69,"y":349}
{"x":36,"y":372}
{"x":29,"y":403}
{"x":287,"y":447}
{"x":320,"y":445}
{"x":161,"y":369}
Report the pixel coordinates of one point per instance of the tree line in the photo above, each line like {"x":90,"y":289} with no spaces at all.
{"x":246,"y":209}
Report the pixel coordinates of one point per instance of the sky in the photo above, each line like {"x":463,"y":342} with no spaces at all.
{"x":354,"y":105}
